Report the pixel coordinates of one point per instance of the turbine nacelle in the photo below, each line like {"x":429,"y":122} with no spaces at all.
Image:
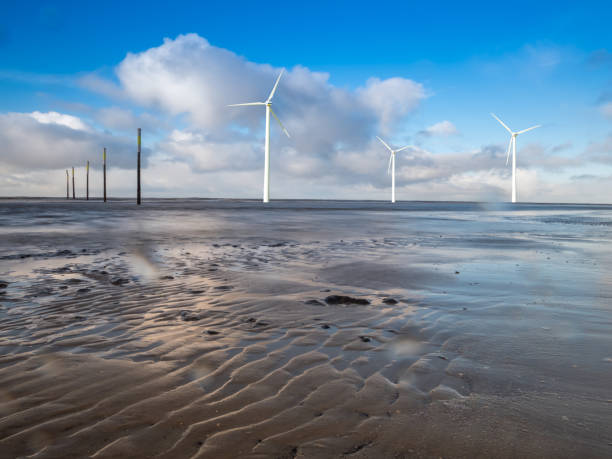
{"x":268,"y":104}
{"x":393,"y":152}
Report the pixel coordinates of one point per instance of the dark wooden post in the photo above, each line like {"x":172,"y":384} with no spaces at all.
{"x":67,"y":185}
{"x":104,"y":171}
{"x":73,"y":194}
{"x":138,"y":176}
{"x":87,"y":192}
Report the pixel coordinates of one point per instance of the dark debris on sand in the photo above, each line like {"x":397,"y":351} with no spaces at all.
{"x":342,"y":299}
{"x":257,"y":323}
{"x":189,"y":316}
{"x":120,"y":281}
{"x":59,"y":253}
{"x":390,"y":301}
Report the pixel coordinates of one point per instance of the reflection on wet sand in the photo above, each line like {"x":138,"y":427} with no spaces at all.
{"x":224,"y":329}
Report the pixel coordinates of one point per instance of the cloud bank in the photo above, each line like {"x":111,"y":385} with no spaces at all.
{"x":196,"y":145}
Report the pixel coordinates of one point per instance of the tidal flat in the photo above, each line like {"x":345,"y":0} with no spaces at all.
{"x":228,"y":328}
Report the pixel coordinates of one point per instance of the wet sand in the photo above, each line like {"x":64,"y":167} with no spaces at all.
{"x":214,"y":329}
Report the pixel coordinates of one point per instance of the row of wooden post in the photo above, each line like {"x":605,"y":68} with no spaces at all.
{"x":138,"y":196}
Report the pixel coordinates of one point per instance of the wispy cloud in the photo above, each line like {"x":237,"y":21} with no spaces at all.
{"x":37,"y":78}
{"x":442,"y":129}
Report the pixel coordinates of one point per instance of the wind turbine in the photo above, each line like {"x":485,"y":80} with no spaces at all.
{"x":512,"y":145}
{"x":268,"y":104}
{"x":391,"y":167}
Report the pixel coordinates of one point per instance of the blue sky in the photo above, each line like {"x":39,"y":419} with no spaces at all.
{"x":548,"y":63}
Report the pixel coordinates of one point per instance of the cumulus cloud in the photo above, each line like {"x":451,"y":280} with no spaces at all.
{"x":205,"y":154}
{"x":123,"y":120}
{"x":53,"y":140}
{"x":189,"y":76}
{"x":189,"y":79}
{"x":60,"y":119}
{"x":178,"y":93}
{"x":442,"y":129}
{"x":536,"y":156}
{"x":391,"y":99}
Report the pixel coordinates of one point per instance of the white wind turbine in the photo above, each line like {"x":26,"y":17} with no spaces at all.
{"x":512,"y":145}
{"x":391,"y":168}
{"x":268,"y":104}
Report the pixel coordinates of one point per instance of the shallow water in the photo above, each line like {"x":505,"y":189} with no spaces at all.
{"x":499,"y":341}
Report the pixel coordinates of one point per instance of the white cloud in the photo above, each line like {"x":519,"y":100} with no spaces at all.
{"x":123,"y":120}
{"x":203,"y":154}
{"x":391,"y":99}
{"x":60,"y":119}
{"x":179,"y":91}
{"x":54,"y":140}
{"x":189,"y":76}
{"x":442,"y":129}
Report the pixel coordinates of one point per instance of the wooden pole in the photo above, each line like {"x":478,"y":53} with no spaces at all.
{"x":138,"y":176}
{"x":67,"y":185}
{"x":104,"y":171}
{"x":87,"y":181}
{"x":73,"y":194}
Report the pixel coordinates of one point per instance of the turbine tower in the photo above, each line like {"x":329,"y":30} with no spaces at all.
{"x":391,"y":167}
{"x":268,"y":105}
{"x":512,"y":145}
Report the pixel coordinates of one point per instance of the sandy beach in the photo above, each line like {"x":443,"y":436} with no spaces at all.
{"x":203,"y":328}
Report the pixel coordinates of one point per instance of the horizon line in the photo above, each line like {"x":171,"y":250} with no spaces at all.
{"x":121,"y":198}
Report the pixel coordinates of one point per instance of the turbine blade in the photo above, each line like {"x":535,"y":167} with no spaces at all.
{"x":389,"y":166}
{"x":529,"y":129}
{"x":403,"y":148}
{"x":275,"y":85}
{"x":250,"y":103}
{"x":279,"y":122}
{"x":508,"y":152}
{"x":385,"y":144}
{"x":501,"y":122}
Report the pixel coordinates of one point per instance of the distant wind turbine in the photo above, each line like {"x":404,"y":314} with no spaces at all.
{"x":512,"y":145}
{"x":391,"y":167}
{"x":268,"y":104}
